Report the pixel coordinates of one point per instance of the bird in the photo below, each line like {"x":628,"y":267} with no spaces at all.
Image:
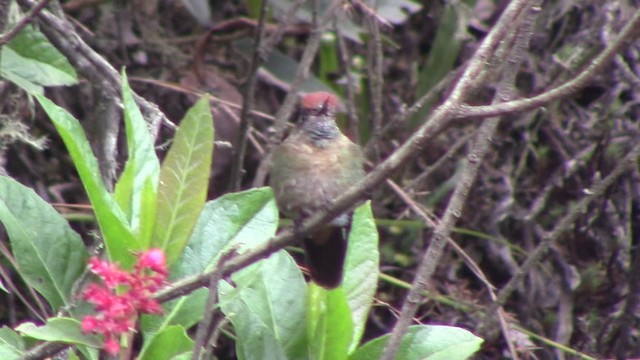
{"x":313,"y":166}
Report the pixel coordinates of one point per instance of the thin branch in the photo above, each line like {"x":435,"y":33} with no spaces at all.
{"x":26,"y":20}
{"x":237,"y":163}
{"x":345,"y":64}
{"x":454,"y":209}
{"x":624,"y":38}
{"x":204,"y":332}
{"x":376,"y":80}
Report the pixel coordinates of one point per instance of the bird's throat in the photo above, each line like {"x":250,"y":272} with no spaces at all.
{"x":320,"y":131}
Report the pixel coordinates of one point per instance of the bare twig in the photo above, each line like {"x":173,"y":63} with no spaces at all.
{"x":204,"y":332}
{"x":237,"y":163}
{"x":26,"y":20}
{"x":352,"y":114}
{"x":624,"y":38}
{"x":376,"y":80}
{"x":513,"y":15}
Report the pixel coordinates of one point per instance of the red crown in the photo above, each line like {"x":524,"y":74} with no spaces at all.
{"x":318,"y":99}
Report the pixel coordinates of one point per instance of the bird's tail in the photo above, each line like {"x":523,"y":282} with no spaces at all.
{"x":326,"y":249}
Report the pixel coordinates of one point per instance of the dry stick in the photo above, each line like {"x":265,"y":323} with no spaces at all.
{"x":467,"y":259}
{"x":283,"y":114}
{"x":26,"y":20}
{"x":248,"y":96}
{"x":454,"y":209}
{"x":41,"y":312}
{"x":376,"y":80}
{"x":565,"y":224}
{"x":623,"y":324}
{"x":203,"y":334}
{"x":624,"y":38}
{"x":352,"y":114}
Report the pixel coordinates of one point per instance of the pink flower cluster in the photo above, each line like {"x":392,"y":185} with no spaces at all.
{"x":123,"y":295}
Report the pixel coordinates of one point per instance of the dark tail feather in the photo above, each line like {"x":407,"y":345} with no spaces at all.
{"x":326,"y":249}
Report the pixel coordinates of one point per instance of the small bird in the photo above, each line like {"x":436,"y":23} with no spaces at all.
{"x":314,"y":165}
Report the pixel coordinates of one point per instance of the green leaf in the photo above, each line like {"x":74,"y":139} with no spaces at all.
{"x":267,"y":309}
{"x":172,"y":341}
{"x":361,"y":269}
{"x":64,"y":330}
{"x":329,"y":324}
{"x":185,"y":311}
{"x":241,"y":220}
{"x":30,"y":61}
{"x":425,"y":342}
{"x":11,"y":344}
{"x":50,"y":255}
{"x":135,"y":191}
{"x":184,"y":179}
{"x":118,"y":238}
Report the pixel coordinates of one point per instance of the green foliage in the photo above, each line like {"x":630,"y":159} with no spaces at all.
{"x":12,"y":345}
{"x":267,"y":309}
{"x":136,"y":188}
{"x":184,"y":180}
{"x":172,"y":341}
{"x":65,"y":330}
{"x":31,"y":62}
{"x":425,"y":342}
{"x":329,"y":324}
{"x":50,"y":255}
{"x":236,"y":221}
{"x":361,"y":269}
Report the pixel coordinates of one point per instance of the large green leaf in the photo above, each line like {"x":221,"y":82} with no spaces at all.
{"x":361,"y":269}
{"x":136,"y":189}
{"x":65,"y":330}
{"x":118,"y":238}
{"x":11,"y":344}
{"x":329,"y":324}
{"x":30,"y":61}
{"x":267,"y":309}
{"x":184,"y":180}
{"x":50,"y":255}
{"x":425,"y":342}
{"x":170,"y":342}
{"x":242,"y":219}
